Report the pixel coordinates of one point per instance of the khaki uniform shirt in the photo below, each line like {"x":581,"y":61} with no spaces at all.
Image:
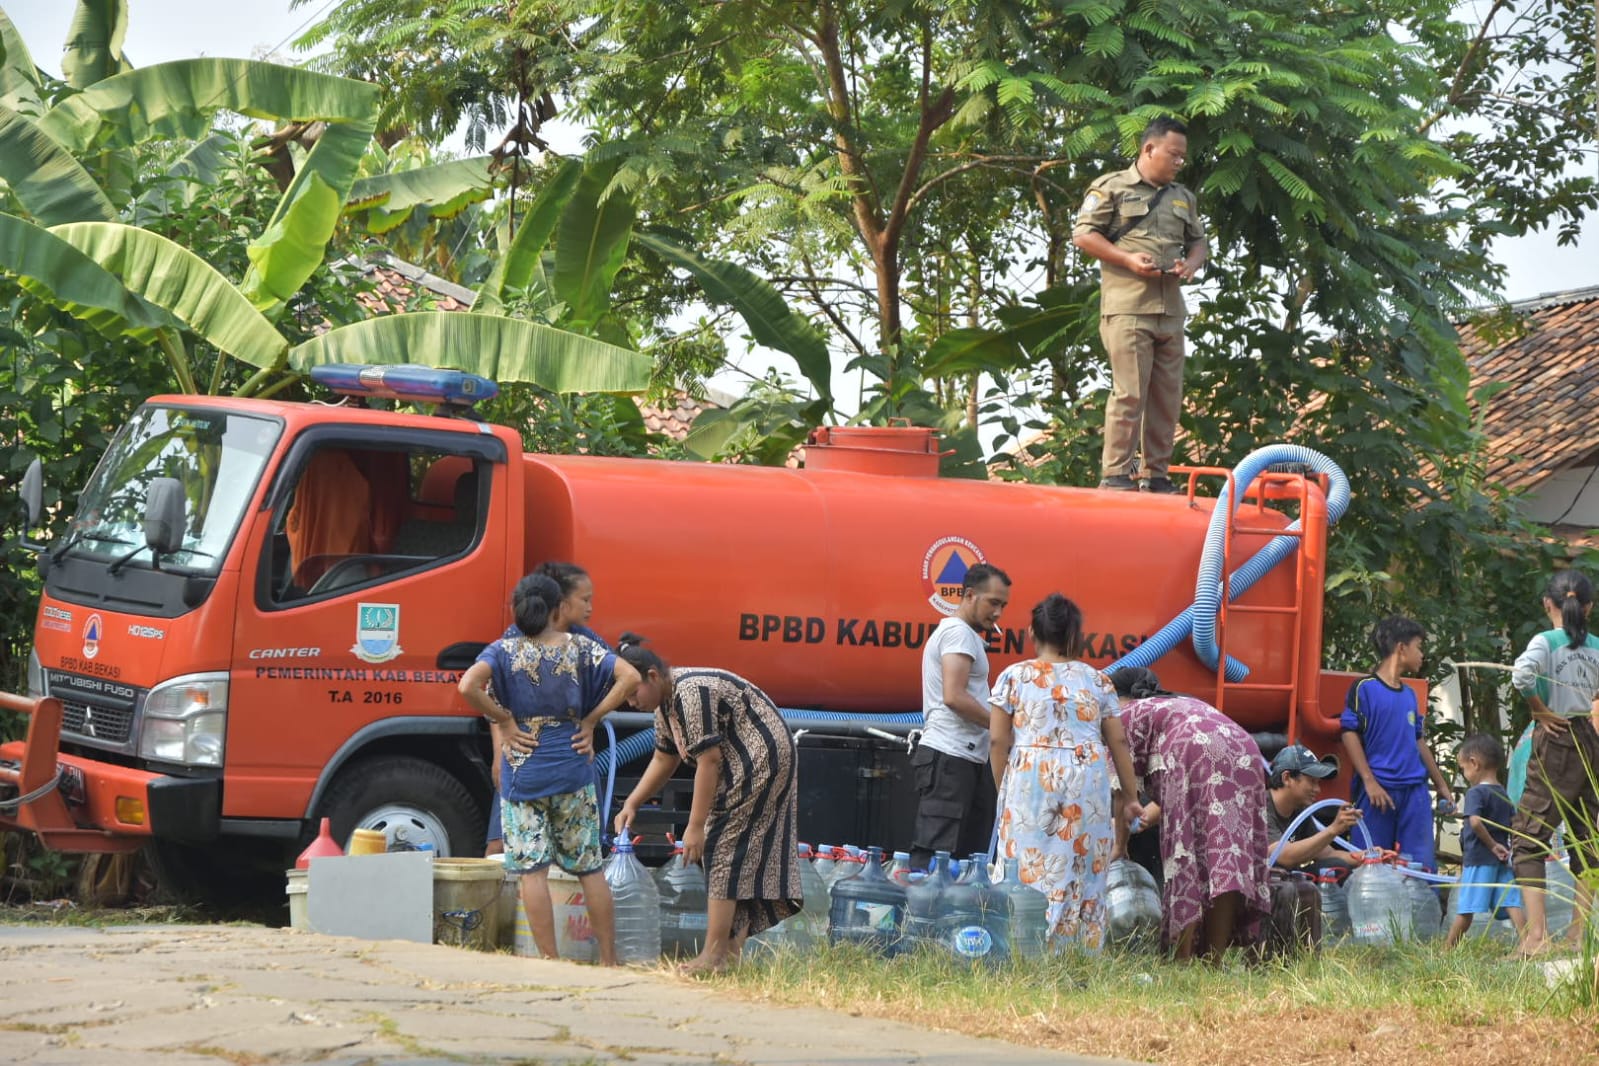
{"x":1115,"y":200}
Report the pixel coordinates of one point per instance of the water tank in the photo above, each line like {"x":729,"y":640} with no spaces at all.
{"x":821,"y":585}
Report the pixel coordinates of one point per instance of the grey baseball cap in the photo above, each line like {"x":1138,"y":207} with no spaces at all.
{"x":1298,"y":759}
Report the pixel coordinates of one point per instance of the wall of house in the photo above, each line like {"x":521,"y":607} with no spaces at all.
{"x":1554,"y":498}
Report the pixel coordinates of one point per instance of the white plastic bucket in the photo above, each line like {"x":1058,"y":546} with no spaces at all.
{"x":298,"y":886}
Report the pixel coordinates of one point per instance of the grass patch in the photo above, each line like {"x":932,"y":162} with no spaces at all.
{"x":67,"y":913}
{"x":1412,"y":1004}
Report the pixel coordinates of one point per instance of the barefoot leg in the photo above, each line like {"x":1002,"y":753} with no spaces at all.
{"x":602,"y":914}
{"x":540,"y":910}
{"x":1219,"y":922}
{"x":718,"y":950}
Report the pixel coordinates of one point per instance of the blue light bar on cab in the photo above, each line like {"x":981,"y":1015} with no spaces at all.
{"x":412,"y":384}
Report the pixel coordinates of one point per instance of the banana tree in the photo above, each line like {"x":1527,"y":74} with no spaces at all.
{"x":72,"y":243}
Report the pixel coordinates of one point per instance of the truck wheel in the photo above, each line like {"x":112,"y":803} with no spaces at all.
{"x":412,"y":802}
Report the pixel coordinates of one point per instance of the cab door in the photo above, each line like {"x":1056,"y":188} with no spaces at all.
{"x":381,"y":565}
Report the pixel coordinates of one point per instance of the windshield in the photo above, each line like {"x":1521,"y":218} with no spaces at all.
{"x":216,"y":456}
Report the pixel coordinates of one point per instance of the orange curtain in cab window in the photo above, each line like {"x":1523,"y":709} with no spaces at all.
{"x":331,"y":516}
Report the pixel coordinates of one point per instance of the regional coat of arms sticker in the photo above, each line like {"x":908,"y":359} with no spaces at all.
{"x":377,"y":632}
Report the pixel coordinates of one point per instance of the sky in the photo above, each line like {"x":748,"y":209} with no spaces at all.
{"x":161,"y":30}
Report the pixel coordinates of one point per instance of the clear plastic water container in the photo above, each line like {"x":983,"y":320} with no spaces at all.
{"x":1028,"y":911}
{"x":803,"y":931}
{"x":868,"y":909}
{"x":824,"y":862}
{"x":1334,"y":907}
{"x":637,"y":903}
{"x":924,"y":902}
{"x":1380,"y":907}
{"x":1426,"y":909}
{"x":899,"y":868}
{"x":683,"y":906}
{"x":1560,"y":897}
{"x":1132,"y":907}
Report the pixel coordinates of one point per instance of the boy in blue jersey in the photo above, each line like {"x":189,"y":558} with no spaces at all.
{"x":1384,"y":739}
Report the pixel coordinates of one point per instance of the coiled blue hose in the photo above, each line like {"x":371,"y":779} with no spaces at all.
{"x":1207,"y":585}
{"x":1168,"y":636}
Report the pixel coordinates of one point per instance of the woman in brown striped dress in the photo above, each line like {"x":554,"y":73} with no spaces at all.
{"x":742,"y":821}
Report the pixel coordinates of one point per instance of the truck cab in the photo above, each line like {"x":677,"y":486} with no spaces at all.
{"x":296,"y":655}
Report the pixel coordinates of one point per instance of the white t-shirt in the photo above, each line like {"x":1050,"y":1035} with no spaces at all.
{"x":944,"y":730}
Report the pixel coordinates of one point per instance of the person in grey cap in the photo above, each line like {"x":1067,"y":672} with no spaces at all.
{"x":1295,"y":783}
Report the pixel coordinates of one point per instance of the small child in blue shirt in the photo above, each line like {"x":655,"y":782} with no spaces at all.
{"x":1487,"y":885}
{"x":1385,"y":740}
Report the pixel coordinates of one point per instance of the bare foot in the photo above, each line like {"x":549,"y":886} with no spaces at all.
{"x":1533,"y":949}
{"x":705,"y":963}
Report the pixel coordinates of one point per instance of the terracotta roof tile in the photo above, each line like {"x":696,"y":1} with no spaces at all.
{"x":1547,"y":352}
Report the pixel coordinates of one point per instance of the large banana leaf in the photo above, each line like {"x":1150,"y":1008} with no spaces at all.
{"x":293,"y":246}
{"x":445,"y":189}
{"x":762,"y":307}
{"x":19,"y":78}
{"x":499,"y":348}
{"x":514,"y":269}
{"x":182,"y":284}
{"x":60,"y":274}
{"x":590,"y":244}
{"x":296,"y":240}
{"x":45,"y":177}
{"x":177,"y":101}
{"x":94,"y":42}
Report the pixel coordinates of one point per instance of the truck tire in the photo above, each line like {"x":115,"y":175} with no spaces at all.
{"x":413,"y":802}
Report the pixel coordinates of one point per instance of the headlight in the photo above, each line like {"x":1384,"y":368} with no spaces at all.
{"x":185,"y":720}
{"x":35,"y":676}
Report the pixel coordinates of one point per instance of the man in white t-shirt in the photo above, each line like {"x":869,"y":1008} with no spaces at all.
{"x":956,"y":812}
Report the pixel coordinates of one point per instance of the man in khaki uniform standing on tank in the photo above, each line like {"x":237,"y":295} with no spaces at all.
{"x":1144,"y":229}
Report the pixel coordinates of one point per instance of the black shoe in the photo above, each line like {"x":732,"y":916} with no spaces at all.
{"x":1161,"y":485}
{"x":1119,"y":483}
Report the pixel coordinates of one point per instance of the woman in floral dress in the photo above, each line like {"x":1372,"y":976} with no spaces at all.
{"x":1208,"y":784}
{"x":1055,"y":723}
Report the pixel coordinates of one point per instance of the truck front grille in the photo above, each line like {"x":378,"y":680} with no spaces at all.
{"x":96,"y":711}
{"x":109,"y":725}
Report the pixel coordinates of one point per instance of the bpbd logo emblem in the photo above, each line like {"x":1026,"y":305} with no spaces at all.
{"x":91,"y":636}
{"x":377,"y":632}
{"x":944,"y":568}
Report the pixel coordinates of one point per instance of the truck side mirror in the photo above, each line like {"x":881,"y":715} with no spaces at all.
{"x":33,"y":493}
{"x":165,"y":516}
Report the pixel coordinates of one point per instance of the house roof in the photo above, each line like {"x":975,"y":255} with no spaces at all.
{"x":1544,"y":355}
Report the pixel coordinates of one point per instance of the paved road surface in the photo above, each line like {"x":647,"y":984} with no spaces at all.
{"x":246,"y":995}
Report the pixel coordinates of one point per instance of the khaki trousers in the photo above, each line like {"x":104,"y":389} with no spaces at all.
{"x":1146,"y":365}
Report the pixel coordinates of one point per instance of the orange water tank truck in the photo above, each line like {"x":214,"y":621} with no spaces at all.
{"x":259,"y":612}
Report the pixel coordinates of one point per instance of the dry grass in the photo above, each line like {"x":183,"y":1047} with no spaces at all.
{"x":1414,"y":1005}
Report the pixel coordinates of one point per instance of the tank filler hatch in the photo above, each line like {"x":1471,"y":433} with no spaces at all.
{"x":898,"y":450}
